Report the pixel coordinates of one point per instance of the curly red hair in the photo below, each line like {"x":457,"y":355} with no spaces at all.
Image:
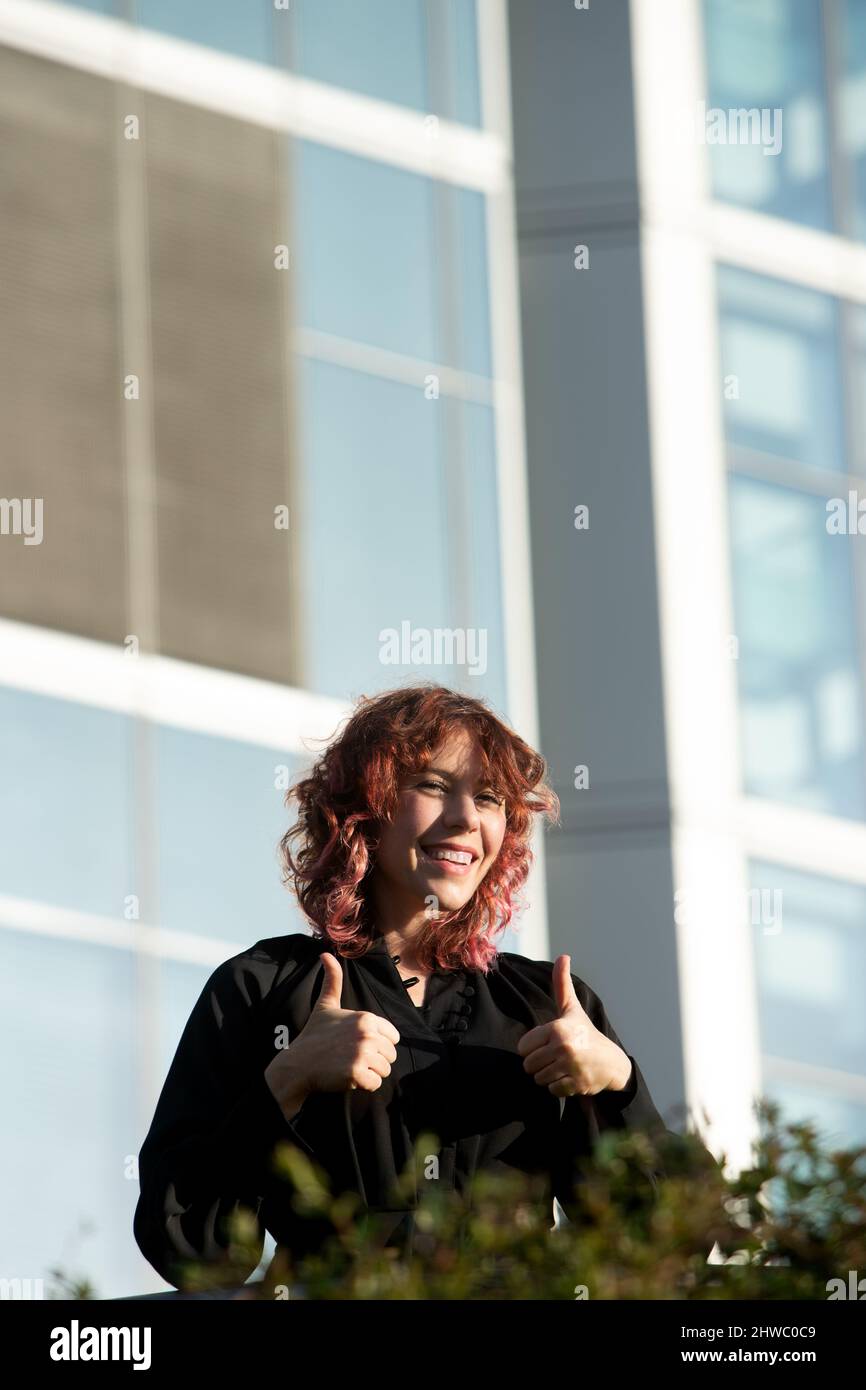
{"x":354,"y":786}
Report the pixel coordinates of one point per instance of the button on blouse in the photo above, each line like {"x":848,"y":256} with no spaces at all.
{"x":447,"y":1006}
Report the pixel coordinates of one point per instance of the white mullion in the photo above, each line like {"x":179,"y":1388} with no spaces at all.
{"x":511,"y":465}
{"x":200,"y":699}
{"x":768,"y":245}
{"x":845,"y":1085}
{"x":36,"y":918}
{"x":808,"y":841}
{"x":251,"y":91}
{"x":783,"y":250}
{"x":718,"y":992}
{"x":143,"y":610}
{"x":391,"y":366}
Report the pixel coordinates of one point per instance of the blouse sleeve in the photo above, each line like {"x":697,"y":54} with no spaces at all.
{"x":216,"y":1123}
{"x":585,"y":1118}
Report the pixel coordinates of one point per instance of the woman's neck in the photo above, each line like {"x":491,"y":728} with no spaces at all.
{"x":402,"y":944}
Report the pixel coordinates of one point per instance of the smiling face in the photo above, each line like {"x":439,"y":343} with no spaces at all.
{"x":447,"y":830}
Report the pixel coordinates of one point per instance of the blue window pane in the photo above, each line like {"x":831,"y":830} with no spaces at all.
{"x":68,"y":1009}
{"x":801,"y":695}
{"x":244,"y":30}
{"x":404,"y":51}
{"x":366,"y":265}
{"x":381,"y":531}
{"x":857,"y":399}
{"x":767,"y":56}
{"x":375,"y":525}
{"x":841,"y":1122}
{"x":464,"y":101}
{"x":780,"y":364}
{"x":68,"y":809}
{"x":219,"y":815}
{"x":466,"y":286}
{"x":811,"y":974}
{"x":372,"y":267}
{"x":66,"y":803}
{"x":852,"y":108}
{"x":479,"y":473}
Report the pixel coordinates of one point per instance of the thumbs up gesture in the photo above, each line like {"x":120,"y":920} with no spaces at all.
{"x":570,"y":1056}
{"x":337,"y":1049}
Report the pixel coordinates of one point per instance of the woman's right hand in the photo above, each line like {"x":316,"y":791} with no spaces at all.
{"x":335,"y":1047}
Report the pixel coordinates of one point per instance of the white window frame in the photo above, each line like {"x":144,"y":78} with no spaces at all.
{"x":716,"y":829}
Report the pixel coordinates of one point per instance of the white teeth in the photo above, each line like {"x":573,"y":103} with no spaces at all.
{"x":457,"y":856}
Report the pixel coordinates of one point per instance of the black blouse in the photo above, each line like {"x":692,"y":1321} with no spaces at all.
{"x":458,"y":1075}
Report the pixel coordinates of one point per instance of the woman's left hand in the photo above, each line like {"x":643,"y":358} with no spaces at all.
{"x":570,"y":1056}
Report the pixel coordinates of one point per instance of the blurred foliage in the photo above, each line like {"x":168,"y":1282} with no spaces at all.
{"x":62,"y":1285}
{"x":779,"y":1229}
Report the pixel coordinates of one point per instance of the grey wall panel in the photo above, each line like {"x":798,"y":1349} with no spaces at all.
{"x":611,"y":897}
{"x":214,"y":220}
{"x":609,"y":874}
{"x":598,"y":632}
{"x":210,"y":358}
{"x":60,"y":371}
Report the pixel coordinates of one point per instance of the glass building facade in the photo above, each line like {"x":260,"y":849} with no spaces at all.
{"x":693,"y":277}
{"x":251,"y":368}
{"x":283,"y":294}
{"x":791,"y":358}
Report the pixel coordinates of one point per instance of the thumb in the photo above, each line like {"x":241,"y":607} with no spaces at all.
{"x":563,"y":986}
{"x":332,"y":989}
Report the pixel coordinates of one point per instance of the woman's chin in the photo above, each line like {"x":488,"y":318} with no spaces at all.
{"x":449,"y":896}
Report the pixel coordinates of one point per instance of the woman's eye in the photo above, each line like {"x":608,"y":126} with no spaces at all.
{"x":482,"y":796}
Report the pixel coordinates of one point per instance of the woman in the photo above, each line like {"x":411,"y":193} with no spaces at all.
{"x":398,"y":1016}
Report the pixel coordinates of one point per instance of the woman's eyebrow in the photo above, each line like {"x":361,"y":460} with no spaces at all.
{"x":440,"y":772}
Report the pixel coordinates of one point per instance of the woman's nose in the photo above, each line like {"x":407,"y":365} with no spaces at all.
{"x":462,"y":811}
